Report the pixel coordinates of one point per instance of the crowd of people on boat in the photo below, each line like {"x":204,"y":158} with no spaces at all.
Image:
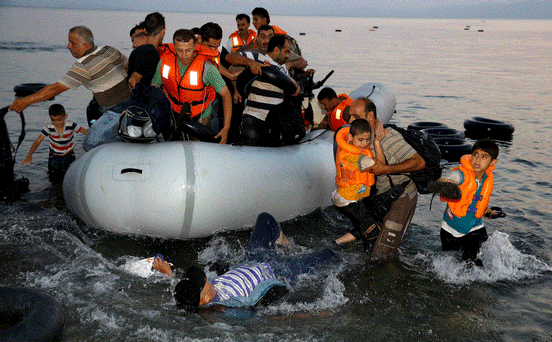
{"x":204,"y":82}
{"x":250,"y":94}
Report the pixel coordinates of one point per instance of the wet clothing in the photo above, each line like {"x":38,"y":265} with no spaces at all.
{"x":462,"y":227}
{"x":61,"y":144}
{"x":352,"y":184}
{"x":396,"y":221}
{"x":247,"y":283}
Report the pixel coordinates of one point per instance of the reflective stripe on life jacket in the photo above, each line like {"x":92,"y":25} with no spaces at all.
{"x":238,"y":42}
{"x":190,"y":87}
{"x":469,"y":188}
{"x":352,"y":184}
{"x":335,"y":118}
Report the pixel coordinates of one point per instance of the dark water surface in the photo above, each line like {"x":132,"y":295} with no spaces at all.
{"x":437,"y":70}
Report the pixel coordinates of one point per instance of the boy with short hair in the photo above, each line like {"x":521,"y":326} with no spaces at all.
{"x":353,"y":185}
{"x":462,"y":227}
{"x":60,"y":131}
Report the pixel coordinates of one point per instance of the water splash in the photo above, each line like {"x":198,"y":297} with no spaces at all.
{"x":501,"y":260}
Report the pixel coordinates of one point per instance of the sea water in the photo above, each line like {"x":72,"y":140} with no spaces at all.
{"x":438,"y":72}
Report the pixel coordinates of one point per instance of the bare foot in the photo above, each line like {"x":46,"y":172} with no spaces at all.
{"x":162,"y":266}
{"x":345,"y":239}
{"x":283,"y":240}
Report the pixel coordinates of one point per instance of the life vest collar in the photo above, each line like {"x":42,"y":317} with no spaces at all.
{"x":469,"y":189}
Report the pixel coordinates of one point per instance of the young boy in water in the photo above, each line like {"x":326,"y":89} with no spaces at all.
{"x":60,"y":131}
{"x":353,"y":185}
{"x":462,"y":227}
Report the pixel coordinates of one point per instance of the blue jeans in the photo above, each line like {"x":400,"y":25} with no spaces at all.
{"x":262,"y":244}
{"x":60,"y":163}
{"x":106,"y":128}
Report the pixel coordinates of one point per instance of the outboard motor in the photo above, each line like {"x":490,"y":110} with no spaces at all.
{"x":11,"y":187}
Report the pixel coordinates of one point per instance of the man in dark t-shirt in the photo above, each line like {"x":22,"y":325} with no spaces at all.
{"x":142,"y":62}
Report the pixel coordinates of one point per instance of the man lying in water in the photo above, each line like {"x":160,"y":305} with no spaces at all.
{"x":256,"y":281}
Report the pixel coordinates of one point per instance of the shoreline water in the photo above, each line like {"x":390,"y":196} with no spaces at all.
{"x":437,"y":71}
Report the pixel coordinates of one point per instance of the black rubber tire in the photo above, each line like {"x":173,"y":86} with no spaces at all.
{"x":452,"y":149}
{"x":444,"y":133}
{"x":26,"y":89}
{"x":33,"y":315}
{"x":426,"y":124}
{"x":488,"y":128}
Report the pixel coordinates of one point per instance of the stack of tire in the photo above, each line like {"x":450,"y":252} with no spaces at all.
{"x":450,"y":141}
{"x":479,"y":127}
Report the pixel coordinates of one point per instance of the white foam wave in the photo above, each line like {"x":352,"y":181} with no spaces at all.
{"x":501,"y":260}
{"x":332,"y":297}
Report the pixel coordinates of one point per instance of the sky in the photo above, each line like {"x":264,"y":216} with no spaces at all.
{"x":479,"y":9}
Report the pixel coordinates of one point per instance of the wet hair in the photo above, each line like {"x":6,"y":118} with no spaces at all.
{"x":56,"y":110}
{"x":488,"y":146}
{"x":369,"y":106}
{"x":242,"y":16}
{"x":154,"y":23}
{"x":184,"y":36}
{"x":210,"y":31}
{"x":278,"y":41}
{"x":265,"y":28}
{"x":326,"y":94}
{"x":84,"y":33}
{"x":140,"y":26}
{"x":187,"y":293}
{"x":360,"y":126}
{"x":261,"y":12}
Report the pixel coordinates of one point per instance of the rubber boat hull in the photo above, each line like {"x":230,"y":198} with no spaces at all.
{"x":192,"y":189}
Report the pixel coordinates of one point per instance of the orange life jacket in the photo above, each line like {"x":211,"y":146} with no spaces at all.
{"x":163,"y":48}
{"x":352,"y":184}
{"x":278,"y":30}
{"x":469,"y":188}
{"x":213,"y":55}
{"x":189,"y":88}
{"x":237,"y":41}
{"x":335,"y":117}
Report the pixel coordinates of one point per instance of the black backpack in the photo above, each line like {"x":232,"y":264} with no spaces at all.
{"x":427,"y":149}
{"x":148,"y":116}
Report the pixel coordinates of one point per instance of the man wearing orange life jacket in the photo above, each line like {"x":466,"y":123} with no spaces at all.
{"x":191,"y":80}
{"x":462,"y":227}
{"x":243,"y":35}
{"x":334,"y":106}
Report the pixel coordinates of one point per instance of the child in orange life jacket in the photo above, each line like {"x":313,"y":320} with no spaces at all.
{"x":353,"y":185}
{"x":462,"y":227}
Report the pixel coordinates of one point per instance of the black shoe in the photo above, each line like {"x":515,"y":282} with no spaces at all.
{"x":446,"y":189}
